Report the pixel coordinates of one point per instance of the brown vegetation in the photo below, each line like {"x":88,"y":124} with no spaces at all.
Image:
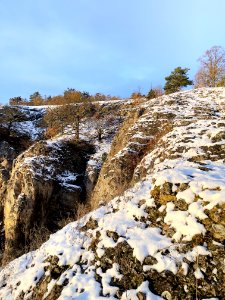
{"x":69,"y":96}
{"x":34,"y":237}
{"x":212,"y":68}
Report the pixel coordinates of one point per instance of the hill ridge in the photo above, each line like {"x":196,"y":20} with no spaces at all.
{"x":162,"y":236}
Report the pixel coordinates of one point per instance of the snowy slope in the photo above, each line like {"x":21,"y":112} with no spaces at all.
{"x":163,"y":236}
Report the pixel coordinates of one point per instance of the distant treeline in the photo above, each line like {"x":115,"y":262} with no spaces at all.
{"x":74,"y":96}
{"x":69,"y":96}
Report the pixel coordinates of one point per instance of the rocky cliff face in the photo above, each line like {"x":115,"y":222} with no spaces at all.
{"x":46,"y":185}
{"x":42,"y":183}
{"x":162,"y":236}
{"x":143,"y":131}
{"x":138,"y":135}
{"x":19,"y":128}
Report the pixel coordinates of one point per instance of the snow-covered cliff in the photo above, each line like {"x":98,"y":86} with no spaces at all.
{"x":162,"y":234}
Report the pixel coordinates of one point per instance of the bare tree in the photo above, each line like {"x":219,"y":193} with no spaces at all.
{"x":61,"y":116}
{"x":56,"y":117}
{"x":99,"y":125}
{"x":212,"y":68}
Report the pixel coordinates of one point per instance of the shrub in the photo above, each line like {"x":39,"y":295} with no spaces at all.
{"x":50,"y":132}
{"x":104,"y":157}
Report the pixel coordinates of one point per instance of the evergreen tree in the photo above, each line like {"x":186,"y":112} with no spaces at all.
{"x":176,"y":80}
{"x":36,"y":99}
{"x":35,"y":95}
{"x":152,"y":94}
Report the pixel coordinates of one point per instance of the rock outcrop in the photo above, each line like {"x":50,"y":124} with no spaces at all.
{"x":162,"y":236}
{"x":142,"y":132}
{"x":42,"y":184}
{"x":46,"y":185}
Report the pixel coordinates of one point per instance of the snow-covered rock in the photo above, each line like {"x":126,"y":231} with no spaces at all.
{"x":42,"y":183}
{"x":162,"y":234}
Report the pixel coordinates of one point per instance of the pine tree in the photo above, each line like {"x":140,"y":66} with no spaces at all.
{"x":176,"y":80}
{"x":152,"y":94}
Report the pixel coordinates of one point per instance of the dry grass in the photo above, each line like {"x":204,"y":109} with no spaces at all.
{"x":50,"y":132}
{"x":33,"y":239}
{"x":81,"y":210}
{"x":36,"y":236}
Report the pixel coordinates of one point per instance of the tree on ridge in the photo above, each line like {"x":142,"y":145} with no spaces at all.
{"x":176,"y":80}
{"x":212,"y":68}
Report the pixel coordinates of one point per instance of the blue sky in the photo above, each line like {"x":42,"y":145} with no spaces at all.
{"x":114,"y":47}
